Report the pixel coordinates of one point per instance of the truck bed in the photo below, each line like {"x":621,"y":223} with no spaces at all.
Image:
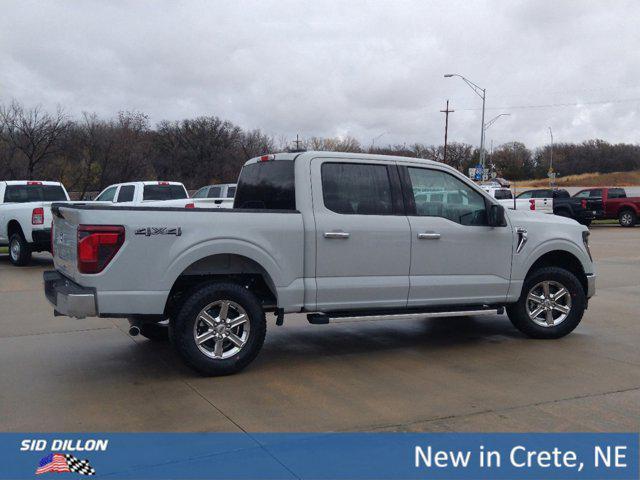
{"x":164,"y":243}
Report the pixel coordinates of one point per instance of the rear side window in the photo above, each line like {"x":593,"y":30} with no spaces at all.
{"x":202,"y":193}
{"x":561,"y":194}
{"x":503,"y":194}
{"x":126,"y":193}
{"x":266,"y":185}
{"x":215,"y":192}
{"x":164,"y":192}
{"x":528,"y":194}
{"x":543,"y":194}
{"x":354,"y":188}
{"x":617,"y":193}
{"x":231,"y":192}
{"x":34,"y":193}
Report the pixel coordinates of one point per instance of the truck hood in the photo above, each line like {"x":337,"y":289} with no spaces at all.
{"x":539,"y":220}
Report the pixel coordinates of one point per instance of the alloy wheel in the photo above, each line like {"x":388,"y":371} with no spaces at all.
{"x":221,"y":329}
{"x":548,"y":303}
{"x":14,"y":249}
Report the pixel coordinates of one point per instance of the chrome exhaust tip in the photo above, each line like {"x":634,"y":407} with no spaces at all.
{"x":134,"y":330}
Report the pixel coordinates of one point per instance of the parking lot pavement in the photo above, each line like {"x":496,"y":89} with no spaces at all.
{"x":460,"y":374}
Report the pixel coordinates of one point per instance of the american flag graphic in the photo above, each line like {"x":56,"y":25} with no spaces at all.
{"x":60,"y":463}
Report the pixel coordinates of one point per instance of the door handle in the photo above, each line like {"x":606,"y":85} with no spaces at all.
{"x":428,"y":236}
{"x":343,"y":235}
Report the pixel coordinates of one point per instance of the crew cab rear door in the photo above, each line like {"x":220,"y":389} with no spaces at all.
{"x":362,"y":235}
{"x":456,"y":258}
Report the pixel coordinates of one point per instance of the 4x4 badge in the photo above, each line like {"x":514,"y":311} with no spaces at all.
{"x":149,"y":231}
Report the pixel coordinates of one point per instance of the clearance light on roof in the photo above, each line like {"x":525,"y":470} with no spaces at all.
{"x":34,"y":183}
{"x":163,"y":183}
{"x":266,"y":158}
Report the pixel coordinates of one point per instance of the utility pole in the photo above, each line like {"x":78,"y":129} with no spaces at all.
{"x":551,"y":174}
{"x":298,"y":142}
{"x":446,"y":112}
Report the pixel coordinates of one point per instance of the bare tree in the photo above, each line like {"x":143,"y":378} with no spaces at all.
{"x":32,"y":132}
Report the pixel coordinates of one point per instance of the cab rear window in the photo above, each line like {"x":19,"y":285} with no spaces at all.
{"x":164,"y":192}
{"x":34,"y":193}
{"x":266,"y":185}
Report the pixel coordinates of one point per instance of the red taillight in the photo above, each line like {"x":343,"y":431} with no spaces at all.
{"x":190,"y":205}
{"x":97,"y":245}
{"x":266,"y":158}
{"x":584,"y":204}
{"x":37,"y":216}
{"x":532,"y":204}
{"x":34,"y":183}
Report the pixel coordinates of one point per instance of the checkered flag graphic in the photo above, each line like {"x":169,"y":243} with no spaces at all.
{"x":79,"y":466}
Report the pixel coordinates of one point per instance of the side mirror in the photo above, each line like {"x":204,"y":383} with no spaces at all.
{"x":497,"y":216}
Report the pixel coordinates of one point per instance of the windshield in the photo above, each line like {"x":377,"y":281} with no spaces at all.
{"x":34,"y":193}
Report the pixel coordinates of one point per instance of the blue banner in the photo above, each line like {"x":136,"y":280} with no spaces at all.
{"x":321,"y":456}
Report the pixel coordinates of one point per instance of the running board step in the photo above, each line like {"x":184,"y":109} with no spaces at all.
{"x":346,"y":317}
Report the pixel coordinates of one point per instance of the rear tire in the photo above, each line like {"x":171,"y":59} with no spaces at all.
{"x":220,"y":329}
{"x":543,"y":310}
{"x":627,"y":218}
{"x":19,"y":250}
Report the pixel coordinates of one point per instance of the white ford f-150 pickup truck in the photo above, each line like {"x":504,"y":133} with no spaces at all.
{"x":148,"y":193}
{"x":338,"y":236}
{"x":215,"y":196}
{"x":25,"y":216}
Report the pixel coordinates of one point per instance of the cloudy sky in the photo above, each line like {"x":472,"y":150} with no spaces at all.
{"x":321,"y":68}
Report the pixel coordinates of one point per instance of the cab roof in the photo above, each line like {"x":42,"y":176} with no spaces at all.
{"x":308,"y":155}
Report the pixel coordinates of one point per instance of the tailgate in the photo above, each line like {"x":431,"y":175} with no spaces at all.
{"x":65,"y":238}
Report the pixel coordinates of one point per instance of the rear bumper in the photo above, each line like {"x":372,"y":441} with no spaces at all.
{"x":591,"y":285}
{"x":67,"y":297}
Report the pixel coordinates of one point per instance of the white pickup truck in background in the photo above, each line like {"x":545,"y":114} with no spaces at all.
{"x":528,"y":200}
{"x":215,"y":196}
{"x":25,"y":216}
{"x":149,"y":193}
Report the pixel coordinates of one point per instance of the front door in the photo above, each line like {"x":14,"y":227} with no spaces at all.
{"x":456,"y":258}
{"x":362,"y":235}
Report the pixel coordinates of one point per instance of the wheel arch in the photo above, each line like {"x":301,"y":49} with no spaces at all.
{"x":563,"y":259}
{"x":220,"y":267}
{"x":14,"y":227}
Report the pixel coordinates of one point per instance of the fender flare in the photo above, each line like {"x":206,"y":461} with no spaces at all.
{"x":555,"y":245}
{"x":223,"y":246}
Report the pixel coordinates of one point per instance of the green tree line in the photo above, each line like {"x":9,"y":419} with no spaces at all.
{"x":91,"y":152}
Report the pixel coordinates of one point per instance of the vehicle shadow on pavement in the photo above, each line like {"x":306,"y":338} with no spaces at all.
{"x":39,"y":261}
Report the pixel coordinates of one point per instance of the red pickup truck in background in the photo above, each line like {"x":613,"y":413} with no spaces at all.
{"x":615,"y":204}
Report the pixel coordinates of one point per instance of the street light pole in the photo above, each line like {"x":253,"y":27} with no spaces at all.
{"x":482,"y":93}
{"x":551,"y":159}
{"x":552,"y":178}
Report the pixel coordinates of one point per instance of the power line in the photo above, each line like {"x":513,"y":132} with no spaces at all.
{"x":559,"y":105}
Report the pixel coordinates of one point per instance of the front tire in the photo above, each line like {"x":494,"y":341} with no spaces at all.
{"x":627,"y":218}
{"x":19,"y":250}
{"x":551,"y":305}
{"x":219,"y":329}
